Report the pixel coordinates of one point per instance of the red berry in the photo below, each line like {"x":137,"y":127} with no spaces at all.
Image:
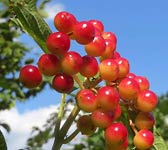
{"x":64,"y":22}
{"x":49,"y":64}
{"x":86,"y":100}
{"x":108,"y":98}
{"x":131,"y":75}
{"x":96,"y":47}
{"x":128,"y":89}
{"x":110,"y":35}
{"x":116,"y":134}
{"x":58,"y":43}
{"x":143,"y":83}
{"x":71,"y":62}
{"x":143,"y":139}
{"x":124,"y":67}
{"x":146,"y":101}
{"x":116,"y":55}
{"x":102,"y":118}
{"x":30,"y":76}
{"x":89,"y":66}
{"x":98,"y":25}
{"x":109,"y":70}
{"x":84,"y":32}
{"x":109,"y":50}
{"x":63,"y":83}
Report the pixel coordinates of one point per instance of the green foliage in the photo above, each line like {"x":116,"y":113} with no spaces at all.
{"x":27,"y":17}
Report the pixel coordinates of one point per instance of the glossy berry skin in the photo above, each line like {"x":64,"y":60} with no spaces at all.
{"x":116,"y":55}
{"x":96,"y":47}
{"x":71,"y":62}
{"x":144,"y":120}
{"x":85,"y":125}
{"x":115,"y":134}
{"x":109,"y":50}
{"x":128,"y":89}
{"x":131,"y":75}
{"x":101,"y":118}
{"x":109,"y":70}
{"x":86,"y":100}
{"x":64,"y":22}
{"x":117,"y":112}
{"x":124,"y":67}
{"x":49,"y":64}
{"x":30,"y":76}
{"x":98,"y":25}
{"x":143,"y":82}
{"x":58,"y":43}
{"x":143,"y":139}
{"x":62,"y":83}
{"x":108,"y":98}
{"x":146,"y":101}
{"x":84,"y":32}
{"x":110,"y":35}
{"x":89,"y":66}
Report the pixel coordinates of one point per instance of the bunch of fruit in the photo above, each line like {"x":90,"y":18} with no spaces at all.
{"x":108,"y":88}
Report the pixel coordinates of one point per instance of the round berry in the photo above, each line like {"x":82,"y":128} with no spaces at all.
{"x":58,"y":43}
{"x":86,"y":100}
{"x":62,"y":83}
{"x":84,"y":32}
{"x":71,"y":62}
{"x":143,"y":139}
{"x":128,"y":89}
{"x":30,"y":76}
{"x":49,"y":64}
{"x":146,"y":101}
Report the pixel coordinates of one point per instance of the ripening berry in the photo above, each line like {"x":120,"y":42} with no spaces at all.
{"x":86,"y":100}
{"x":108,"y":98}
{"x":143,"y":139}
{"x":71,"y":63}
{"x":98,"y":25}
{"x":30,"y":76}
{"x":102,"y":118}
{"x":110,"y":35}
{"x":146,"y":101}
{"x":124,"y":67}
{"x":128,"y":89}
{"x":109,"y":70}
{"x":96,"y":47}
{"x":143,"y":83}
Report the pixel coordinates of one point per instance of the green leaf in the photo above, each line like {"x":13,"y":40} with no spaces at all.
{"x":159,"y":143}
{"x":28,"y":18}
{"x":3,"y":145}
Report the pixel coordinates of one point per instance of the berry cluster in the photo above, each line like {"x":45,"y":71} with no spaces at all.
{"x":103,"y":103}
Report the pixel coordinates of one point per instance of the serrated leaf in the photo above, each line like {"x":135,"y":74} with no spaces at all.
{"x":159,"y":143}
{"x":3,"y":145}
{"x":31,"y":21}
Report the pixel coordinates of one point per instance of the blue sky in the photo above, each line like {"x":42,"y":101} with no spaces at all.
{"x":142,"y":32}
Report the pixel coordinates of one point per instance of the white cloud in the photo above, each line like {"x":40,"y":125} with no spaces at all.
{"x":52,"y":10}
{"x":21,"y":126}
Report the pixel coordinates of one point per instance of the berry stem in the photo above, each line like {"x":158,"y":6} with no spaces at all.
{"x":78,"y":82}
{"x":70,"y":137}
{"x":132,"y":125}
{"x":58,"y":122}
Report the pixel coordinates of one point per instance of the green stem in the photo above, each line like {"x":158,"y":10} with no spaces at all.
{"x":78,"y":82}
{"x":57,"y":142}
{"x":70,"y":137}
{"x":69,"y":121}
